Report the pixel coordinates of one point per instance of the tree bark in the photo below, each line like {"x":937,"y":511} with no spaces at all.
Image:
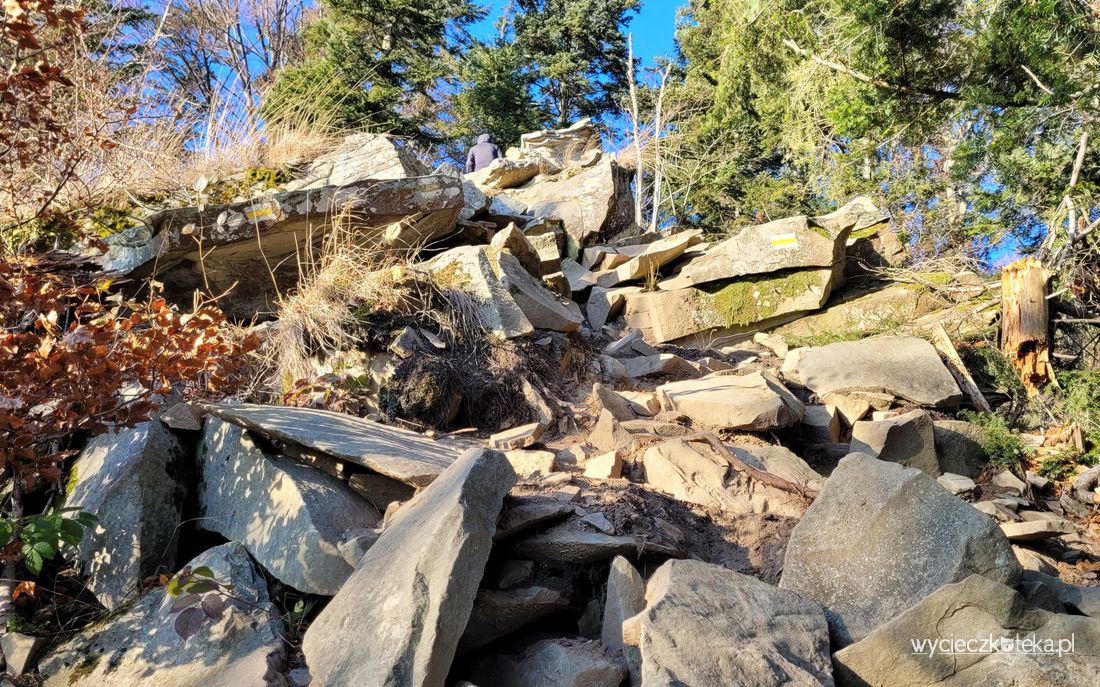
{"x":1025,"y":322}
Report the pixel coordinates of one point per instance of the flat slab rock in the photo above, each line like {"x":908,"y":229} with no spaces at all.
{"x":975,"y":609}
{"x":752,"y":402}
{"x":879,"y":537}
{"x":399,"y":617}
{"x":140,"y":647}
{"x":905,"y":367}
{"x":290,"y":516}
{"x":405,"y":456}
{"x":706,"y":625}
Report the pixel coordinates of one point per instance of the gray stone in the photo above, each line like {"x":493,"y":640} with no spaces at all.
{"x":654,"y":256}
{"x":793,"y":242}
{"x":906,"y":440}
{"x":512,"y":240}
{"x":753,"y":402}
{"x":134,"y":482}
{"x":291,"y":518}
{"x":996,"y":511}
{"x":660,"y":364}
{"x":468,"y":270}
{"x":19,"y":651}
{"x":608,"y":435}
{"x":1006,"y":480}
{"x":598,"y":521}
{"x":956,"y":484}
{"x":904,"y":367}
{"x":617,"y":405}
{"x":380,"y":491}
{"x":728,"y":308}
{"x":696,"y":474}
{"x":413,"y":591}
{"x":880,"y":537}
{"x":403,"y":213}
{"x":362,"y":156}
{"x":706,"y":625}
{"x":1076,"y":599}
{"x":543,"y":308}
{"x":139,"y":646}
{"x":405,"y":456}
{"x":524,"y":513}
{"x":975,"y":608}
{"x":605,"y":304}
{"x":504,"y":173}
{"x":517,"y":437}
{"x":498,"y":613}
{"x":593,"y":203}
{"x":563,"y":662}
{"x":475,"y":201}
{"x":959,"y":447}
{"x":625,"y":598}
{"x":1033,"y":530}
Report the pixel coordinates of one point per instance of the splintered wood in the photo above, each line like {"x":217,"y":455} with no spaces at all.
{"x":1025,"y":321}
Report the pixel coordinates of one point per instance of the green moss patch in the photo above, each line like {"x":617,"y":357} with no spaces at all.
{"x":755,"y":299}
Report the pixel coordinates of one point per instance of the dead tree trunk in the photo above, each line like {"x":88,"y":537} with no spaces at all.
{"x":1025,"y":321}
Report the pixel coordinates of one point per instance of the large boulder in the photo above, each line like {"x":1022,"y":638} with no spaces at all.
{"x":879,"y":538}
{"x":730,"y":307}
{"x":975,"y":632}
{"x":543,"y":308}
{"x":361,"y":156}
{"x":292,"y":518}
{"x":504,"y":173}
{"x":140,"y":646}
{"x":402,"y":455}
{"x":246,"y":245}
{"x":706,"y":625}
{"x":754,"y":402}
{"x":594,"y":202}
{"x":793,"y":242}
{"x":561,"y":147}
{"x":398,"y":619}
{"x":135,"y":483}
{"x":959,"y":447}
{"x":907,"y":440}
{"x":468,"y":270}
{"x":904,"y":367}
{"x":695,"y":473}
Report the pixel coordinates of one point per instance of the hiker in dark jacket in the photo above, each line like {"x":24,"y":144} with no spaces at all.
{"x":482,"y":154}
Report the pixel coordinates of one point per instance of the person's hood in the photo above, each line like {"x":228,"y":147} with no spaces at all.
{"x":483,"y":138}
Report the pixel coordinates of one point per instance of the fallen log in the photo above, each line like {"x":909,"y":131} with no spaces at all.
{"x":1025,"y":322}
{"x":957,"y":368}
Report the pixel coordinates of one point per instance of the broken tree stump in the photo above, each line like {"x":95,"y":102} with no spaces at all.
{"x":1025,"y":321}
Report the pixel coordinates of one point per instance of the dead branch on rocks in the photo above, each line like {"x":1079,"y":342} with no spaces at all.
{"x":754,"y":473}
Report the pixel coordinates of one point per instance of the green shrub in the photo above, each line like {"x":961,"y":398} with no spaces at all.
{"x":1063,"y":462}
{"x":1003,"y":444}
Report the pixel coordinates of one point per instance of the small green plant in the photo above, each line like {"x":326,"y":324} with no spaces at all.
{"x":198,"y":598}
{"x":107,"y":220}
{"x":1003,"y":444}
{"x":1062,"y":463}
{"x":1081,"y":399}
{"x":42,"y":536}
{"x":266,"y":177}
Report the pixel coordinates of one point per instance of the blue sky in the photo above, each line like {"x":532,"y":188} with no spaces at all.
{"x":653,"y":28}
